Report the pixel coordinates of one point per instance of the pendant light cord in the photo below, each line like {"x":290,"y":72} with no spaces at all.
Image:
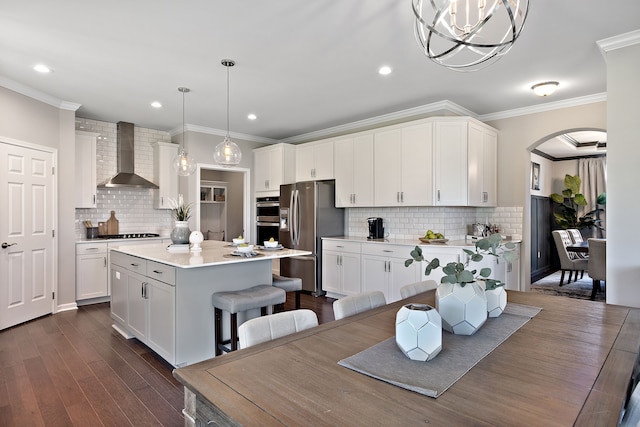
{"x":184,"y":134}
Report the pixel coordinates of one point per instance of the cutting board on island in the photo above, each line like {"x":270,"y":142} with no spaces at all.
{"x":113,"y":224}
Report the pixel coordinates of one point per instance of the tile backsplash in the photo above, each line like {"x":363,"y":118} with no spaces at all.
{"x":133,"y":206}
{"x":412,"y":222}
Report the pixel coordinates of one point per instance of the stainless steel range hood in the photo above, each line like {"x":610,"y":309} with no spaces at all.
{"x":126,"y":176}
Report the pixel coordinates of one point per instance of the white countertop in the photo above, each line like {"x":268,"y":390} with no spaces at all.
{"x":461,"y":243}
{"x":213,"y":253}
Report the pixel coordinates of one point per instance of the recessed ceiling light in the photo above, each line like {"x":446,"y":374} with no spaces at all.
{"x":384,"y":70}
{"x":156,"y":104}
{"x":41,"y":68}
{"x":545,"y":88}
{"x":252,"y":116}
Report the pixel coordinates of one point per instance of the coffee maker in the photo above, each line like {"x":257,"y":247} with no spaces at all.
{"x":376,"y":230}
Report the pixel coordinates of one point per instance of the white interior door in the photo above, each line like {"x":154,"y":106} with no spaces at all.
{"x":26,"y":234}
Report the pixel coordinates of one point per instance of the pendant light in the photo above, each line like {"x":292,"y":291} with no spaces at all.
{"x":467,"y":35}
{"x":227,"y":153}
{"x":182,"y":163}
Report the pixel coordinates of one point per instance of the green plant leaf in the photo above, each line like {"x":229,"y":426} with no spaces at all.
{"x":465,"y":276}
{"x":580,"y":200}
{"x":572,"y":183}
{"x":408,"y":262}
{"x":602,"y":199}
{"x":558,"y":198}
{"x":476,"y":257}
{"x":485,"y":272}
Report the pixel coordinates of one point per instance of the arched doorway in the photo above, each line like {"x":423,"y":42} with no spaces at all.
{"x":551,"y":158}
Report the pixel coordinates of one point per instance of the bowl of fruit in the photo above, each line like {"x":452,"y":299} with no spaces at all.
{"x":433,"y":237}
{"x":245,"y":248}
{"x":238,"y":240}
{"x":271,"y":243}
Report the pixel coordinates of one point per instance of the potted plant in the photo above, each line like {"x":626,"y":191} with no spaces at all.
{"x":571,"y":200}
{"x":461,"y":297}
{"x":181,"y":212}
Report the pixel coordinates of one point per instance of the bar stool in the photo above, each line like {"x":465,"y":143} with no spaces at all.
{"x":261,"y":296}
{"x":288,"y":284}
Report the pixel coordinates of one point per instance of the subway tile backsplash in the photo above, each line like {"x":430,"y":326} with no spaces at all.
{"x":133,"y":206}
{"x":413,"y":222}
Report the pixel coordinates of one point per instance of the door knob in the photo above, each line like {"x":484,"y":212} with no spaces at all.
{"x":5,"y":245}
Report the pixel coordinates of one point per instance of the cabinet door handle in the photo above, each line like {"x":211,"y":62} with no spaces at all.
{"x":354,"y":199}
{"x":438,"y":195}
{"x":387,"y":251}
{"x":105,"y":261}
{"x":94,"y":199}
{"x":509,"y":267}
{"x":91,"y":249}
{"x":135,"y":265}
{"x":157,"y":271}
{"x":402,"y":196}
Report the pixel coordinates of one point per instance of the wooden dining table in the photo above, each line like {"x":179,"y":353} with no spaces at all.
{"x":571,"y":364}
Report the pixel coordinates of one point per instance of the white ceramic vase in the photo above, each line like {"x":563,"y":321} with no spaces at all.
{"x":419,"y":331}
{"x":463,"y":309}
{"x":496,"y":301}
{"x":180,"y":233}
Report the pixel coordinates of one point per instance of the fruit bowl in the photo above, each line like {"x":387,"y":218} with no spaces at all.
{"x":441,"y":241}
{"x":237,"y":241}
{"x":245,"y":248}
{"x":270,"y":244}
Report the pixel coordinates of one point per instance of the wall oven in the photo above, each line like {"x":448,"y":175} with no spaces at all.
{"x":267,"y":218}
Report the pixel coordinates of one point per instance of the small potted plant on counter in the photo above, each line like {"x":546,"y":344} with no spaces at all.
{"x":181,"y":212}
{"x":461,"y":296}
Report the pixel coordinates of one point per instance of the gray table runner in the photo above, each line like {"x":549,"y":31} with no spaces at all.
{"x":386,"y":362}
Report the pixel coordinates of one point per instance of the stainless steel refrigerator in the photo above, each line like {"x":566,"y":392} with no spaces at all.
{"x":308,"y":213}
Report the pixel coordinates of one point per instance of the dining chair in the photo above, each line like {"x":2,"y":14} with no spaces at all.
{"x":267,"y":328}
{"x":569,"y":261}
{"x":631,"y":417}
{"x":354,"y":304}
{"x":417,"y":288}
{"x":597,"y":265}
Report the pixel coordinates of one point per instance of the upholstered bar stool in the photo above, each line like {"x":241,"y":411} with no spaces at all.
{"x":234,"y":302}
{"x":288,"y":284}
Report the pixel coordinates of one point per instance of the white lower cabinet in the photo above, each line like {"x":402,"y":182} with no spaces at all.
{"x":383,"y":269}
{"x":341,"y":267}
{"x":91,"y":271}
{"x":143,"y":302}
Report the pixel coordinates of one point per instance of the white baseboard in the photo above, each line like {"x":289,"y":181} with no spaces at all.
{"x":67,"y":307}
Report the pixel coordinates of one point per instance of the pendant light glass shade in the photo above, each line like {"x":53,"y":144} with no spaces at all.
{"x":227,"y":153}
{"x":182,"y":163}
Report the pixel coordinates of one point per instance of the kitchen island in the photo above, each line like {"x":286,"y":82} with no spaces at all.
{"x":164,"y":298}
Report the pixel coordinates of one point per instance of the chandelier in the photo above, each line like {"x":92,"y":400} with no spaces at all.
{"x":227,"y":153}
{"x":467,"y":35}
{"x":182,"y":163}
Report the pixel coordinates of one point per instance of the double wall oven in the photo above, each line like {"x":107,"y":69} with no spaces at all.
{"x":267,"y":218}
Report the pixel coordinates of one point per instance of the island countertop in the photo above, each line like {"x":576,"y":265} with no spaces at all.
{"x":213,"y":253}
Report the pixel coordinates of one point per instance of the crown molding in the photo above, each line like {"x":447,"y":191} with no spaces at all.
{"x":411,"y":113}
{"x":223,"y":133}
{"x":618,"y":42}
{"x":549,"y":106}
{"x":37,"y":95}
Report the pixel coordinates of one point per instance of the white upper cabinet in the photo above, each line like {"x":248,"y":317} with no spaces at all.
{"x":86,"y":175}
{"x":164,"y":174}
{"x":482,"y":154}
{"x":353,"y":164}
{"x":403,"y":166}
{"x":450,"y":162}
{"x":314,"y":161}
{"x":273,"y":166}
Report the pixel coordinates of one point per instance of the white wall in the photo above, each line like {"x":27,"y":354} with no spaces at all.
{"x":623,"y":175}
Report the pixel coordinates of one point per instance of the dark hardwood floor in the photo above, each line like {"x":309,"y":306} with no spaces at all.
{"x":73,"y":369}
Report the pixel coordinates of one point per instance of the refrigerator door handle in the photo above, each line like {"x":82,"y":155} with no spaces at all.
{"x":297,"y":216}
{"x":292,"y":217}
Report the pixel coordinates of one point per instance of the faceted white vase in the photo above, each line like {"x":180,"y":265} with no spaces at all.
{"x":419,"y":331}
{"x":463,"y":309}
{"x":496,"y":301}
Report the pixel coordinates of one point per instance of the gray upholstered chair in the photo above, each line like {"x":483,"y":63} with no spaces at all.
{"x":569,"y":261}
{"x":417,"y":288}
{"x":288,"y":284}
{"x":267,"y":328}
{"x":597,"y":265}
{"x":354,"y":304}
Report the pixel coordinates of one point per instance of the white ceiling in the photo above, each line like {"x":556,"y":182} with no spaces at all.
{"x":301,"y":66}
{"x":575,"y":144}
